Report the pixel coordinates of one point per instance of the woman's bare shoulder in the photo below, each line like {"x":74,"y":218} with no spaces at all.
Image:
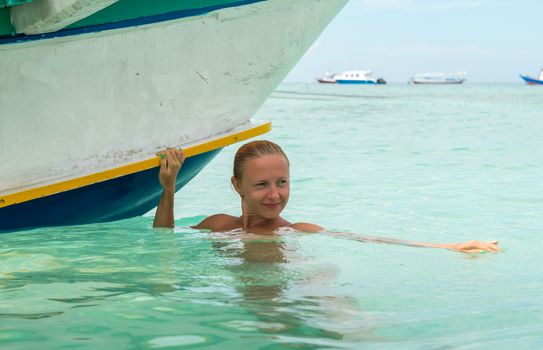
{"x":306,"y":227}
{"x":218,"y":222}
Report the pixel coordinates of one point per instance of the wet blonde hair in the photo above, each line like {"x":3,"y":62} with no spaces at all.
{"x":254,"y":149}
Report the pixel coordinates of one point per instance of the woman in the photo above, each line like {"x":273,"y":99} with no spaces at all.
{"x":262,"y":180}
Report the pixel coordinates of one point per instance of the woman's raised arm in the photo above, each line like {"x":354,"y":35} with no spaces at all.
{"x":171,"y":161}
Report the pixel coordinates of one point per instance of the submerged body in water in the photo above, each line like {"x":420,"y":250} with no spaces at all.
{"x":262,"y":180}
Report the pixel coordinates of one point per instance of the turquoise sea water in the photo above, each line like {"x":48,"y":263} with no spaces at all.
{"x":426,"y":163}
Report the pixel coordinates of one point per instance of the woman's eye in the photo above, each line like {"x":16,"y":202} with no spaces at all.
{"x":283,"y":182}
{"x":260,"y":184}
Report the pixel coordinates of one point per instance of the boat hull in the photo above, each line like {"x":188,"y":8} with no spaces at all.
{"x":325,"y":81}
{"x":124,"y":197}
{"x":438,"y":82}
{"x":86,"y":100}
{"x":120,"y":193}
{"x":357,"y":82}
{"x":531,"y":81}
{"x":98,"y":100}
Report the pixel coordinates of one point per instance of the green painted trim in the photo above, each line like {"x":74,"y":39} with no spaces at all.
{"x":130,"y":9}
{"x":5,"y":3}
{"x":5,"y":22}
{"x":124,"y":10}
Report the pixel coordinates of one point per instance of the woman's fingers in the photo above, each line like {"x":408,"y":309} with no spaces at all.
{"x":490,"y":246}
{"x":180,"y":156}
{"x":493,"y":246}
{"x":479,"y":246}
{"x":171,"y":159}
{"x":171,"y":156}
{"x":162,"y":158}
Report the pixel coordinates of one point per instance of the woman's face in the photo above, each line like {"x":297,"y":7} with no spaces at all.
{"x":265,"y":185}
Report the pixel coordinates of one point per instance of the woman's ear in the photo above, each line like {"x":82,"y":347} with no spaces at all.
{"x":236,"y":185}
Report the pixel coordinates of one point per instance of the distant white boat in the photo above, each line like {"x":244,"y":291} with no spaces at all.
{"x":439,"y":78}
{"x":351,"y":77}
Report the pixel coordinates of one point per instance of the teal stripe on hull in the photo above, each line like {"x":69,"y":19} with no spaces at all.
{"x":132,"y":9}
{"x":5,"y":3}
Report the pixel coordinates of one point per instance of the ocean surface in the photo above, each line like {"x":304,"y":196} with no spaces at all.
{"x":423,"y":163}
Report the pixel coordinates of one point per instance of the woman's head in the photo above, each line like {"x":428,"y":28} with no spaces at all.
{"x":254,"y":149}
{"x":262,"y":178}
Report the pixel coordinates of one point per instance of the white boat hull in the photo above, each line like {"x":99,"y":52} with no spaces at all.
{"x":438,"y":82}
{"x":80,"y":104}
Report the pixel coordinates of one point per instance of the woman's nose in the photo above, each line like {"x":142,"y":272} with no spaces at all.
{"x":273,"y":192}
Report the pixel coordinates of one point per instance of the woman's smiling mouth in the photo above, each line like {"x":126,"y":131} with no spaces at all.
{"x":271,"y":205}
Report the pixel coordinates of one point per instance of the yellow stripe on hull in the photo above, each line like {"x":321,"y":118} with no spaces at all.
{"x":190,"y":151}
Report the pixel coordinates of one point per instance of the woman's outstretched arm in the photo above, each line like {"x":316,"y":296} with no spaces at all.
{"x":472,"y":246}
{"x":171,"y":161}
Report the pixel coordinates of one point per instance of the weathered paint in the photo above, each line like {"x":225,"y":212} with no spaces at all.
{"x":47,"y":16}
{"x":250,"y":130}
{"x":78,"y":105}
{"x":88,"y":103}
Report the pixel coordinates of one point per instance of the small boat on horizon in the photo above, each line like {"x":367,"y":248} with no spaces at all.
{"x":351,"y":77}
{"x":531,"y":80}
{"x":438,"y":78}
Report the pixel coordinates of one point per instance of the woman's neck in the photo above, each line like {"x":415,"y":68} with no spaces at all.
{"x":260,"y":225}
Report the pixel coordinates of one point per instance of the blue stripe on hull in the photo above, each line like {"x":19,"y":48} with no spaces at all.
{"x":531,"y":80}
{"x":126,"y":23}
{"x":357,"y":82}
{"x":121,"y":198}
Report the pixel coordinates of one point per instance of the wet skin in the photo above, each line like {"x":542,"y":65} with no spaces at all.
{"x":264,"y":189}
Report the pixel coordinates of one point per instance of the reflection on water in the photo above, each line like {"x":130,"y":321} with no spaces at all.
{"x":148,"y":280}
{"x":158,"y":287}
{"x":267,"y":278}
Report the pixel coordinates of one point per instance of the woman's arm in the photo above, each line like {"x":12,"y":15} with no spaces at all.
{"x":472,"y":246}
{"x":171,"y":161}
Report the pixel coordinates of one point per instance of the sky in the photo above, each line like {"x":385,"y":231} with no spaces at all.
{"x":490,"y":40}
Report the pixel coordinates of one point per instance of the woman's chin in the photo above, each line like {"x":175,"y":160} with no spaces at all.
{"x":270,"y":215}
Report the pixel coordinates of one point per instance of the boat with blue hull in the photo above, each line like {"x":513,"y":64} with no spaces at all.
{"x":92,"y":89}
{"x":530,"y":80}
{"x":363,"y":77}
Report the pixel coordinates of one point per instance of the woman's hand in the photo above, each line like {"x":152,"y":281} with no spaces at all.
{"x":171,"y":161}
{"x":475,"y":246}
